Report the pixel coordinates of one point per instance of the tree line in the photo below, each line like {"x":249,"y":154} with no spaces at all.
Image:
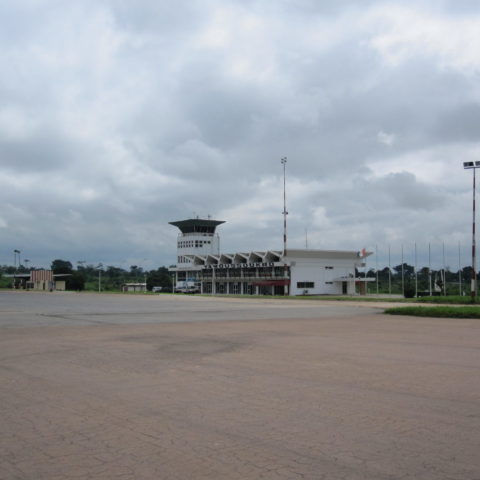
{"x":87,"y":277}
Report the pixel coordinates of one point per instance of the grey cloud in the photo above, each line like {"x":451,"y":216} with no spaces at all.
{"x":41,"y":152}
{"x":460,"y":6}
{"x":404,"y":191}
{"x":460,"y":123}
{"x":154,"y":16}
{"x":157,"y":128}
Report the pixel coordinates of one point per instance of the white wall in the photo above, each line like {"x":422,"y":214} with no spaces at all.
{"x":314,"y":270}
{"x":210,"y":245}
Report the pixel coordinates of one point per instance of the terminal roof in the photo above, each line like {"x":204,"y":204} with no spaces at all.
{"x":197,"y":225}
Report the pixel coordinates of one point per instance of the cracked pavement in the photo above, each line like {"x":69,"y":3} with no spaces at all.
{"x":178,"y":387}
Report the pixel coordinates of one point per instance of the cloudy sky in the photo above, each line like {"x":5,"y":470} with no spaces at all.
{"x":118,"y":116}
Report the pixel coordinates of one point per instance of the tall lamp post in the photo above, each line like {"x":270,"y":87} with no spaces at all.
{"x":99,"y":267}
{"x":285,"y":213}
{"x":15,"y":253}
{"x":473,"y":166}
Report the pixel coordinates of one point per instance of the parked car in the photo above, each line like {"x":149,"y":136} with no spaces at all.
{"x":187,"y":290}
{"x":162,"y":289}
{"x":192,"y":290}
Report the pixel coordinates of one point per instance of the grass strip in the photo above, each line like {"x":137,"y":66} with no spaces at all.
{"x":457,"y":299}
{"x":344,"y":298}
{"x":443,"y":311}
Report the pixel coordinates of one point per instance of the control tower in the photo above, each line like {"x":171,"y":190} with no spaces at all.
{"x":197,"y":237}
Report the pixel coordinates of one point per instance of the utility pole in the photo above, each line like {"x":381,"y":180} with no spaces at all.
{"x":473,"y":166}
{"x":389,"y":272}
{"x":416,"y":277}
{"x":15,"y":253}
{"x":286,"y":288}
{"x":403,"y":274}
{"x":429,"y":271}
{"x":99,"y":267}
{"x":459,"y":272}
{"x":285,"y":213}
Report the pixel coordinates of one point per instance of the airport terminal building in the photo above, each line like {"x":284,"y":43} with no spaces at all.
{"x":203,"y":268}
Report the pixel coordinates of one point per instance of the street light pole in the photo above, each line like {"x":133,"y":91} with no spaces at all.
{"x":473,"y":166}
{"x":285,"y":213}
{"x":286,"y":289}
{"x":15,"y":253}
{"x":14,"y":266}
{"x":99,"y":267}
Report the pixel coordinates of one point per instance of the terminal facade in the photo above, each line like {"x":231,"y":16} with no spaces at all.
{"x":203,"y":268}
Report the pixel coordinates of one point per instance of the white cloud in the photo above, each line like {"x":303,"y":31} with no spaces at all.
{"x":439,"y":165}
{"x":408,"y":31}
{"x":386,"y":138}
{"x":15,"y":124}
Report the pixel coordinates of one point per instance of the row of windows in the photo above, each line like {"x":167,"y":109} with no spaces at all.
{"x":261,"y":272}
{"x":193,"y":243}
{"x":310,"y":284}
{"x":233,"y":288}
{"x":305,"y":284}
{"x":182,"y":259}
{"x":182,"y":276}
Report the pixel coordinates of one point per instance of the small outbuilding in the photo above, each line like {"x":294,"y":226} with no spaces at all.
{"x":134,"y":287}
{"x":43,"y":280}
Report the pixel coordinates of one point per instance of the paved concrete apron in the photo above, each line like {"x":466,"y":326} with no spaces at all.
{"x":163,"y":387}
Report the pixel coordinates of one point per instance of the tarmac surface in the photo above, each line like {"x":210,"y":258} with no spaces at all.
{"x":183,"y":387}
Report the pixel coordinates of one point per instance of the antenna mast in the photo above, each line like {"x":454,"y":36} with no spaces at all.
{"x":285,"y":213}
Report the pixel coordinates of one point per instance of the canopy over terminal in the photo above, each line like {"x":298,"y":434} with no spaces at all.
{"x":197,"y":225}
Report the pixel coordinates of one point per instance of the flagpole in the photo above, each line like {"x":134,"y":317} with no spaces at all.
{"x":403,"y":275}
{"x":444,"y":276}
{"x":416,"y":278}
{"x":389,"y":272}
{"x":459,"y":272}
{"x":365,"y":272}
{"x":429,"y":270}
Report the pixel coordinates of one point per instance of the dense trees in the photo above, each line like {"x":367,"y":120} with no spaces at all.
{"x":61,"y":266}
{"x":159,"y":278}
{"x":76,"y":281}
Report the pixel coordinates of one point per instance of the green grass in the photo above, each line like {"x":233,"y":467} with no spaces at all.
{"x":435,"y":311}
{"x":457,"y":299}
{"x":306,"y":298}
{"x":357,"y":298}
{"x":451,"y":299}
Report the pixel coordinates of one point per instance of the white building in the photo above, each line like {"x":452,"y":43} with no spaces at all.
{"x":134,"y":287}
{"x":200,"y":265}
